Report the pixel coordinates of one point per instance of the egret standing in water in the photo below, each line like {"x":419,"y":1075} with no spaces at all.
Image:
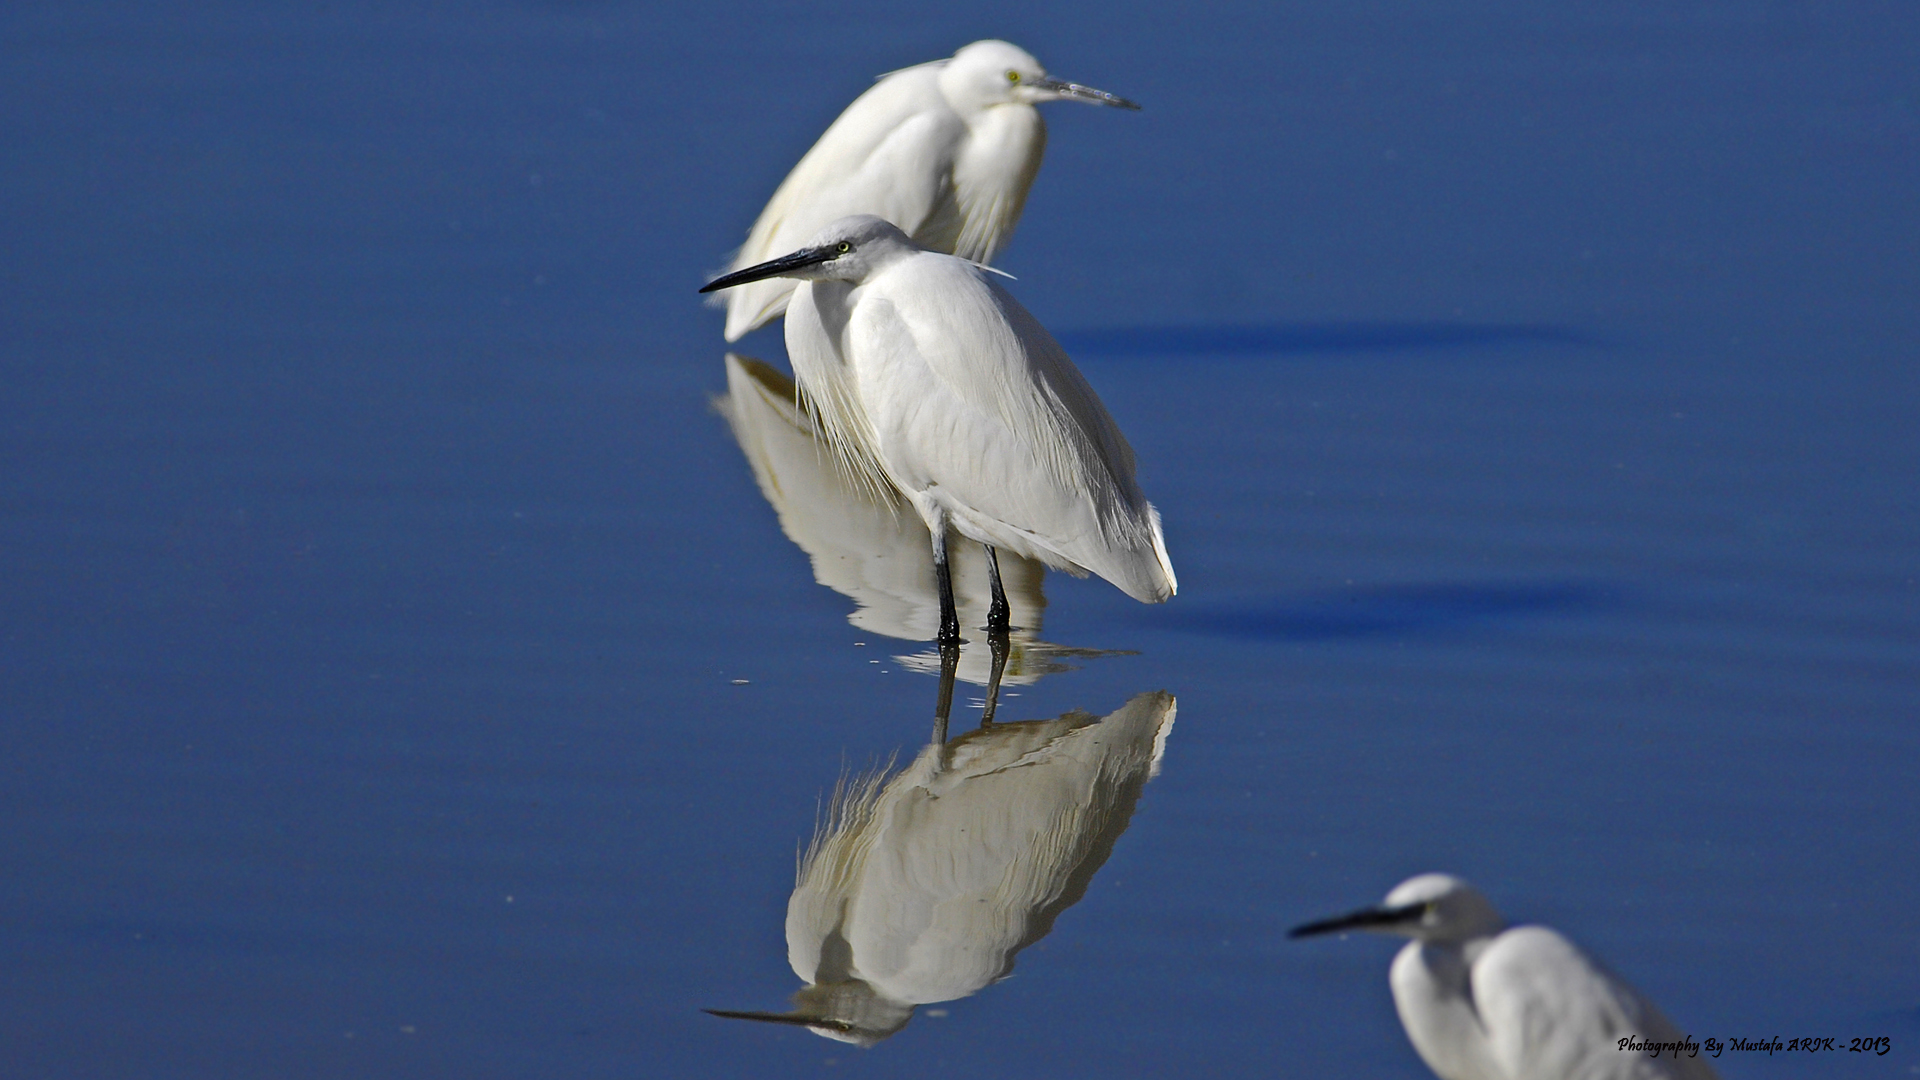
{"x":1484,"y":1002}
{"x":874,"y":549}
{"x":926,"y":377}
{"x":945,"y":150}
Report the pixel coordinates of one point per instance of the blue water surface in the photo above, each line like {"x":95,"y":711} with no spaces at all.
{"x":404,"y":674}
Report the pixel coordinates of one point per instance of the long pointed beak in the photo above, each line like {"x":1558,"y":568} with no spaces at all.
{"x":1087,"y":94}
{"x":1373,"y":918}
{"x":786,"y":264}
{"x":782,"y":1018}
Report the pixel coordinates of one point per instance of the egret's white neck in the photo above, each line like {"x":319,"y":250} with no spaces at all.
{"x":1433,"y":993}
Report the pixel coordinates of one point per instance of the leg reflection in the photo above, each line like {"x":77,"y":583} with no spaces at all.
{"x":997,"y":642}
{"x":943,"y":705}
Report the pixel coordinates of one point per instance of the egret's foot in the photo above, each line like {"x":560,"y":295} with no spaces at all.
{"x":999,"y":614}
{"x":998,"y":618}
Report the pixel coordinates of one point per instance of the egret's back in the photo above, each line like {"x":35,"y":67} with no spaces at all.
{"x":1552,"y":1013}
{"x":888,"y":154}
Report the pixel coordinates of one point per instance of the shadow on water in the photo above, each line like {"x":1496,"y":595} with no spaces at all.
{"x":1398,"y":610}
{"x":1299,"y":339}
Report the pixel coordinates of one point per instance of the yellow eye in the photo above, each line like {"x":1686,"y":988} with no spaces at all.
{"x":1013,"y":76}
{"x":843,"y":247}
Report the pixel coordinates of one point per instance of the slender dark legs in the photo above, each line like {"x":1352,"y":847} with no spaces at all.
{"x":949,"y":617}
{"x":949,"y":638}
{"x":997,"y":618}
{"x":998,"y":642}
{"x":997,"y":614}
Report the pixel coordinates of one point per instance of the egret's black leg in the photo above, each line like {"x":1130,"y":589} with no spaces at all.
{"x":943,"y":705}
{"x":997,"y":643}
{"x":949,"y":618}
{"x":999,"y":613}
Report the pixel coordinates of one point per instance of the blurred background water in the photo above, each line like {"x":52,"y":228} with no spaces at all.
{"x":1529,"y":393}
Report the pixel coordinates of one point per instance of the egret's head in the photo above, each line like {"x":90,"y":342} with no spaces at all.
{"x":847,"y":250}
{"x":989,"y":73}
{"x":1430,"y":907}
{"x":849,"y":1012}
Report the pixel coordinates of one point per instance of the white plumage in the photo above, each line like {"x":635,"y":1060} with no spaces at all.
{"x":926,"y":377}
{"x":946,"y":150}
{"x":1484,"y":1002}
{"x":924,"y":886}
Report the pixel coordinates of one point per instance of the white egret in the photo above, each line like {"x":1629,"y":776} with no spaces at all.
{"x":1481,"y":1001}
{"x":923,"y":375}
{"x":924,"y":886}
{"x":872,"y":547}
{"x":945,"y":150}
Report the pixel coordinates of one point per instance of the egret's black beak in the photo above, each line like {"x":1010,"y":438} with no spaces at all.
{"x":1087,"y":94}
{"x":1373,"y":918}
{"x":786,"y":264}
{"x":782,"y":1018}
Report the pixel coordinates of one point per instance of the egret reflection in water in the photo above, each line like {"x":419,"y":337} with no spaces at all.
{"x":873,"y":548}
{"x":923,"y":885}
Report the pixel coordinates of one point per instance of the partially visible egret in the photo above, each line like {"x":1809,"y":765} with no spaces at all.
{"x":925,"y":376}
{"x":872,"y":547}
{"x":945,"y":150}
{"x":925,"y":885}
{"x":1481,"y":1001}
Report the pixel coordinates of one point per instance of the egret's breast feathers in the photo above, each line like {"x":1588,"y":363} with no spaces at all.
{"x":992,"y":174}
{"x":816,"y":329}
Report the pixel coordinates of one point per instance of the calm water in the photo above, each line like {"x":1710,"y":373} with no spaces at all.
{"x":1530,"y":397}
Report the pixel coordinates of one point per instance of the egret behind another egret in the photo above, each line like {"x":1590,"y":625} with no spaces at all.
{"x":1484,"y":1002}
{"x":924,"y":375}
{"x":946,"y":150}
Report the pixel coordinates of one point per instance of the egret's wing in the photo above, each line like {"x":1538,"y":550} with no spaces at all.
{"x":1552,"y":1013}
{"x":889,"y":153}
{"x":1017,"y":436}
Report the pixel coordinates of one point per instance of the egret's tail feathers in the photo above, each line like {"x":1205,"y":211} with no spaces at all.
{"x":1142,"y":569}
{"x":1136,"y":565}
{"x":1160,"y":556}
